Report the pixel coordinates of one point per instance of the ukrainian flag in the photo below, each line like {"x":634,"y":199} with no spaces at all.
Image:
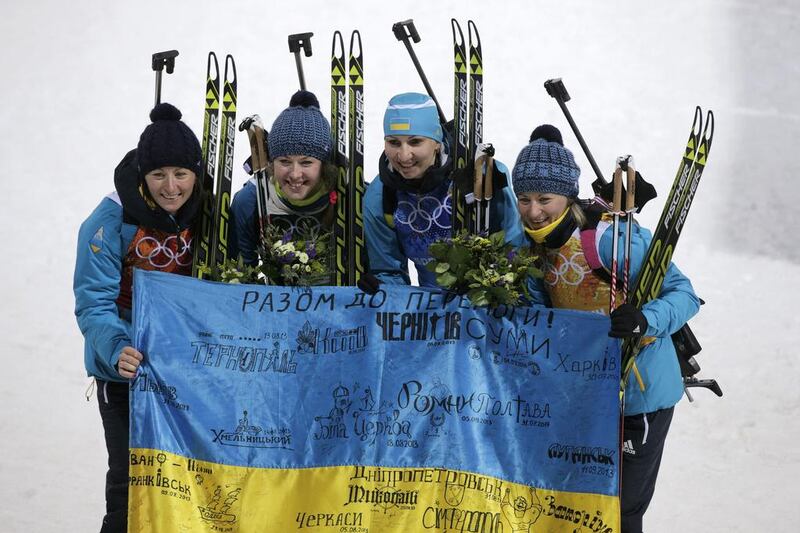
{"x":324,"y":409}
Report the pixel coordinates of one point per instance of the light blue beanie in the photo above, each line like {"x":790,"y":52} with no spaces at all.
{"x":412,"y":114}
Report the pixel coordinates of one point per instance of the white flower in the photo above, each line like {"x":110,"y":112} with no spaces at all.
{"x":303,"y":257}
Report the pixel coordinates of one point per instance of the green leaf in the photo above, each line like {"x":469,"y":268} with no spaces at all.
{"x":446,"y":279}
{"x":535,"y":272}
{"x":478,"y":297}
{"x":439,"y":250}
{"x":498,"y":238}
{"x":442,"y":267}
{"x":458,"y":255}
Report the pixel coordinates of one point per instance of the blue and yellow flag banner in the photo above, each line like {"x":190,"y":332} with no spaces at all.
{"x":326,"y":409}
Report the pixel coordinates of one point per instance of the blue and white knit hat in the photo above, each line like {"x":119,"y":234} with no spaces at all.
{"x":412,"y":114}
{"x":545,"y":165}
{"x":300,"y":129}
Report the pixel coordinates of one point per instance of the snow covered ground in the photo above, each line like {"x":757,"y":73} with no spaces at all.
{"x":77,"y":87}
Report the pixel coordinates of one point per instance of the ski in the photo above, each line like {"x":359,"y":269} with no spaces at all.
{"x":475,"y":89}
{"x":460,"y":127}
{"x":659,"y":254}
{"x":338,"y":120}
{"x":258,"y":162}
{"x":222,"y":197}
{"x":357,"y":262}
{"x":201,"y":267}
{"x":668,"y":230}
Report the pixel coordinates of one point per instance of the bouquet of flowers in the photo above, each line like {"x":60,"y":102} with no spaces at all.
{"x":484,"y":268}
{"x":286,"y":260}
{"x":295,"y":262}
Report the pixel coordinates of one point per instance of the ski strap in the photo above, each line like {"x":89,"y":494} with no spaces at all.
{"x":589,"y":246}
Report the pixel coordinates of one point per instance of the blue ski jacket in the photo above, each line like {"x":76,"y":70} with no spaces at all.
{"x":244,"y":238}
{"x":677,"y":302}
{"x":103,"y":240}
{"x":416,"y":220}
{"x":105,"y":260}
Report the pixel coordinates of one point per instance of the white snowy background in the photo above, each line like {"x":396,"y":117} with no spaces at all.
{"x":77,"y":88}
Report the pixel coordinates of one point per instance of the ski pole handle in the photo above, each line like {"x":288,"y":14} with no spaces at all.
{"x":478,"y":178}
{"x":488,"y":183}
{"x":630,"y":188}
{"x":300,"y":41}
{"x":557,"y":90}
{"x":617,"y":201}
{"x":255,"y":133}
{"x":297,"y":42}
{"x":406,"y":31}
{"x":160,"y":62}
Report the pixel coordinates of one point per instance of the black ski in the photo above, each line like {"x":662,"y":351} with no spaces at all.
{"x":338,"y":118}
{"x":460,"y":214}
{"x":665,"y":236}
{"x":358,"y":256}
{"x":222,"y":197}
{"x":201,"y":267}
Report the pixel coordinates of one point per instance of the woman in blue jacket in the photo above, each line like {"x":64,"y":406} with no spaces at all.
{"x":408,"y":206}
{"x":545,"y":180}
{"x":301,"y":179}
{"x":145,"y":223}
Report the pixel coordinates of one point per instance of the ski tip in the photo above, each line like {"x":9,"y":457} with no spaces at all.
{"x":230,"y":69}
{"x":458,"y":35}
{"x":472,"y":28}
{"x":709,"y":124}
{"x":355,"y":44}
{"x":212,"y":62}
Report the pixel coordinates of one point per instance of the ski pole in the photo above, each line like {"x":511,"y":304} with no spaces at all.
{"x":258,"y":153}
{"x":488,"y":189}
{"x":616,"y":205}
{"x":162,"y":60}
{"x":477,"y":192}
{"x":297,"y":42}
{"x":557,"y":90}
{"x":630,"y":208}
{"x":406,"y":32}
{"x":482,"y":187}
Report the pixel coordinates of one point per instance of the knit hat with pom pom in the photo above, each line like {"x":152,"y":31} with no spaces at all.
{"x":545,"y":166}
{"x":300,"y":129}
{"x":168,"y":142}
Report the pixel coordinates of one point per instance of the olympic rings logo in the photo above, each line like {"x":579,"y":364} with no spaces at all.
{"x":427,"y":211}
{"x":302,"y":226}
{"x":162,"y":254}
{"x":569,"y":271}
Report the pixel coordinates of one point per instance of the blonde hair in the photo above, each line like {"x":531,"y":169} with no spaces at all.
{"x":578,"y":214}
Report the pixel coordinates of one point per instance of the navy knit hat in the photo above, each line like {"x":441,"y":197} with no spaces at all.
{"x":412,"y":114}
{"x":168,"y":142}
{"x":301,"y":129}
{"x":545,"y":165}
